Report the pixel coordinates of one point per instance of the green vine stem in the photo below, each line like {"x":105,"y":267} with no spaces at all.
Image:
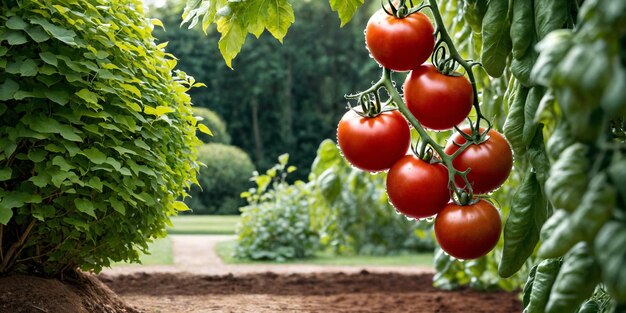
{"x":463,"y":195}
{"x":455,"y":56}
{"x":387,"y":82}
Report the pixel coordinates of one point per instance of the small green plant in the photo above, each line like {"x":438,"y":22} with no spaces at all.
{"x":223,"y":178}
{"x":275,"y":224}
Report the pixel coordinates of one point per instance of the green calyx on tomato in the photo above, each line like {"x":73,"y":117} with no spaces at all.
{"x":490,"y":161}
{"x":438,"y":101}
{"x":400,"y":44}
{"x":375,"y":143}
{"x":417,"y":188}
{"x":470,"y":231}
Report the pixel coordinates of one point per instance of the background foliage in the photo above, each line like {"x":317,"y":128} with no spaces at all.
{"x":217,"y":126}
{"x":224,"y":177}
{"x":339,"y":208}
{"x":281,"y":97}
{"x":97,"y":140}
{"x":559,"y":75}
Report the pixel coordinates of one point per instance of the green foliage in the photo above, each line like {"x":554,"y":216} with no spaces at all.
{"x":236,"y":19}
{"x":343,"y":209}
{"x":212,"y":121}
{"x":352,"y":212}
{"x":275,"y":225}
{"x":281,"y":98}
{"x":97,"y":140}
{"x":223,"y":178}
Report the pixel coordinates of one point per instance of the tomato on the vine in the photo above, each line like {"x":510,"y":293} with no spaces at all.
{"x":470,"y":231}
{"x":490,"y":161}
{"x":417,"y":188}
{"x":438,"y":101}
{"x":373,"y":143}
{"x":400,"y":44}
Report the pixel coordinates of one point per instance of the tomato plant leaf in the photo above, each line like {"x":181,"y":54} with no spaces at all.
{"x":522,"y":27}
{"x":550,"y":15}
{"x":496,"y":38}
{"x":538,"y":295}
{"x":567,"y":182}
{"x":514,"y":124}
{"x":529,"y":210}
{"x":594,"y":210}
{"x":610,"y":250}
{"x":577,"y":278}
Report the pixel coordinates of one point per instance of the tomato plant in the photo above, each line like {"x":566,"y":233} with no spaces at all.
{"x":470,"y":231}
{"x":438,"y":101}
{"x":490,"y":162}
{"x":373,"y":143}
{"x":399,"y":43}
{"x":552,"y":72}
{"x":417,"y":188}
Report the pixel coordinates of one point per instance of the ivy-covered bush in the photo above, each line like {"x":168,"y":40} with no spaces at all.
{"x":215,"y":123}
{"x":275,"y":225}
{"x":98,"y":137}
{"x":226,"y":175}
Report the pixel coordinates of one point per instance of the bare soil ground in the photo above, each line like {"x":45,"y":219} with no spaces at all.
{"x":318,"y":292}
{"x":199,"y":281}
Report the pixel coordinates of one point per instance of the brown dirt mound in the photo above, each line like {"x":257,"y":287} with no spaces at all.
{"x":321,"y":292}
{"x":83,"y":293}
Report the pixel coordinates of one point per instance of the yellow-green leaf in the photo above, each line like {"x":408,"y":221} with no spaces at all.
{"x":203,"y":128}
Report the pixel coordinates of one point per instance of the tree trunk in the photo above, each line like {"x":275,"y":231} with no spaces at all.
{"x":256,"y":131}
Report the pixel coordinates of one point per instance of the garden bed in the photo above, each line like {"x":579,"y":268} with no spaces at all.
{"x":320,"y":292}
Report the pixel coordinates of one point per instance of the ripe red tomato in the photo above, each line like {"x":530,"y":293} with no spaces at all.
{"x":491,"y":161}
{"x":373,"y":143}
{"x":416,"y":188}
{"x":400,"y":44}
{"x":438,"y":101}
{"x":468,"y":232}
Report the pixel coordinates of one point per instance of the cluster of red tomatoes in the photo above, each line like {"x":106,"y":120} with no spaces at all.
{"x":420,"y":187}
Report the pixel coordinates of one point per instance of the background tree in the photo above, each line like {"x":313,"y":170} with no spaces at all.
{"x":282,"y":98}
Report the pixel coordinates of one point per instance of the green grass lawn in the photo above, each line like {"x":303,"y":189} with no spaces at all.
{"x":204,"y":224}
{"x":160,"y":254}
{"x":225,"y":251}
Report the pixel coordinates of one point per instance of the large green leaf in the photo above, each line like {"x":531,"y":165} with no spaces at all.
{"x":496,"y":38}
{"x":345,"y":9}
{"x":523,"y":225}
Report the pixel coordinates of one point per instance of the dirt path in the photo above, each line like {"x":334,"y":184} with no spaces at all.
{"x":196,"y":254}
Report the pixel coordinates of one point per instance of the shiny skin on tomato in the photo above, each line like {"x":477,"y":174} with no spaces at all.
{"x":468,"y":232}
{"x":373,"y":144}
{"x":400,"y":44}
{"x":416,"y":188}
{"x":490,"y":161}
{"x":438,"y":101}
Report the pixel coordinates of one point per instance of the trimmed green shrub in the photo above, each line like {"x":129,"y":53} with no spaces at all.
{"x":215,"y":123}
{"x":225,"y":176}
{"x":98,"y":137}
{"x":275,"y":224}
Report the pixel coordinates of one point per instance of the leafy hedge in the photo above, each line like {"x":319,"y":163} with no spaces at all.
{"x":215,"y":123}
{"x":97,"y":140}
{"x":225,"y":176}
